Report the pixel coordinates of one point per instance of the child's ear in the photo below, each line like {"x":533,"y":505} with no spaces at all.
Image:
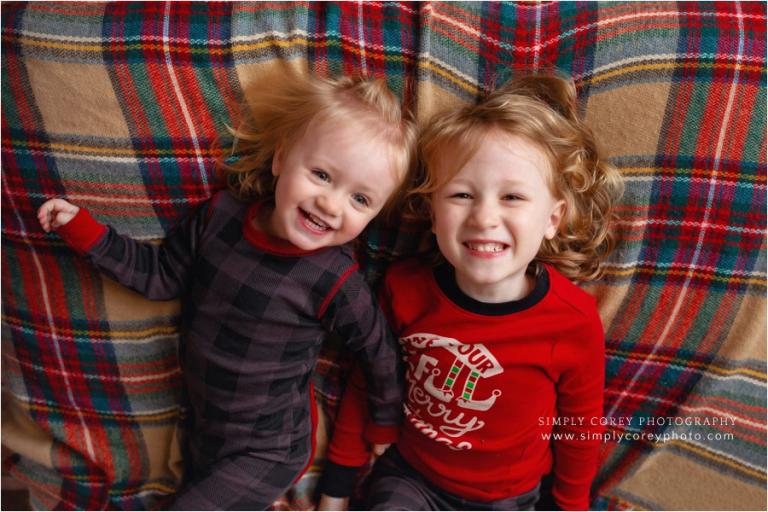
{"x":277,"y":160}
{"x":555,"y":216}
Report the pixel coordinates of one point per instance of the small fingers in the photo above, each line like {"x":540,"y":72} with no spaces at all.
{"x":379,"y":449}
{"x":44,"y":216}
{"x":329,"y":503}
{"x":55,"y":213}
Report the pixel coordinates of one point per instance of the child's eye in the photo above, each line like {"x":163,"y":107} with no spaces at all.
{"x":361,"y":199}
{"x":320,"y":174}
{"x":460,"y":195}
{"x":512,"y":197}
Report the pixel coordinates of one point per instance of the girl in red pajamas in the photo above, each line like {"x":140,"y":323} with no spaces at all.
{"x":504,"y":354}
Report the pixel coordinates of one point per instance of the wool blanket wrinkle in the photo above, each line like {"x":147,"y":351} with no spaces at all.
{"x":123,"y":107}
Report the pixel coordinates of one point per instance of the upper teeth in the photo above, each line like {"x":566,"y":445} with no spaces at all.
{"x":489,"y":247}
{"x":317,"y":222}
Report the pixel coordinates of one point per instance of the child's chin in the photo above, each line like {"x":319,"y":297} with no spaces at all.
{"x":307,"y":244}
{"x":487,"y":277}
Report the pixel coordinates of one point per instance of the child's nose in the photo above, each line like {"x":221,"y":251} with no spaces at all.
{"x":485,"y":215}
{"x":329,"y":203}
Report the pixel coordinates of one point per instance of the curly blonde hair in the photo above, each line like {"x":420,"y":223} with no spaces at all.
{"x":543,"y":110}
{"x":277,"y":114}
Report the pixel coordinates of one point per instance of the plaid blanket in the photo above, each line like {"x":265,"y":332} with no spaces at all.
{"x":121,"y":107}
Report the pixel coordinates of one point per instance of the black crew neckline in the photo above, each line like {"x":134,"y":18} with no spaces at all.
{"x":445,"y":277}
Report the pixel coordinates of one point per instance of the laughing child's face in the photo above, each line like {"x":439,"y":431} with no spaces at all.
{"x":330,"y":184}
{"x":492,"y":216}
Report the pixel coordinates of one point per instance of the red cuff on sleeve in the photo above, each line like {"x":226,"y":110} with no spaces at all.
{"x":82,"y":232}
{"x":381,"y":434}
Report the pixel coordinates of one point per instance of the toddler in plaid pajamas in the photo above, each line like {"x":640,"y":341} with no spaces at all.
{"x":504,"y":354}
{"x":265,"y":273}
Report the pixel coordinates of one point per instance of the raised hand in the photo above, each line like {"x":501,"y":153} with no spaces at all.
{"x":55,"y":213}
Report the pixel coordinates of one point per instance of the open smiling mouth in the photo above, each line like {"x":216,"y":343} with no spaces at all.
{"x":314,"y":223}
{"x":486,"y":247}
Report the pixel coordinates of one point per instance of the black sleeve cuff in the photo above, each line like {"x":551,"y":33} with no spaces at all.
{"x":338,"y":481}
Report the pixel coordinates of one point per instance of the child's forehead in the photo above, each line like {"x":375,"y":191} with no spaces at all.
{"x":337,"y":135}
{"x":338,"y":126}
{"x":349,"y":114}
{"x":367,"y":132}
{"x":350,"y":146}
{"x":500,"y":145}
{"x":352,"y":129}
{"x":494,"y":149}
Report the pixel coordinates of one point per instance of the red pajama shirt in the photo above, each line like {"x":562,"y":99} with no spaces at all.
{"x":488,"y":385}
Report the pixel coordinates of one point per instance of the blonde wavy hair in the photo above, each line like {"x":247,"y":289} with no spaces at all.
{"x":277,"y":114}
{"x":543,"y":110}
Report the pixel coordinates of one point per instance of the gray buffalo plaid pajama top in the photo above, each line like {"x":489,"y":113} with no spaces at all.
{"x":255,"y":312}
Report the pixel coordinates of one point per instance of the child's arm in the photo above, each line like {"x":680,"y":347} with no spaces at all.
{"x":354,"y":315}
{"x":158,"y":272}
{"x":579,"y":395}
{"x":355,"y":442}
{"x":347,"y":451}
{"x":357,"y":431}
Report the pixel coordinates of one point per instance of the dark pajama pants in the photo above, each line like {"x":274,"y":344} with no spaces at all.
{"x":241,"y":482}
{"x":395,"y":485}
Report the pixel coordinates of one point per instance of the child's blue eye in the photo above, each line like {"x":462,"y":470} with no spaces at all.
{"x":360,"y":199}
{"x":321,"y":174}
